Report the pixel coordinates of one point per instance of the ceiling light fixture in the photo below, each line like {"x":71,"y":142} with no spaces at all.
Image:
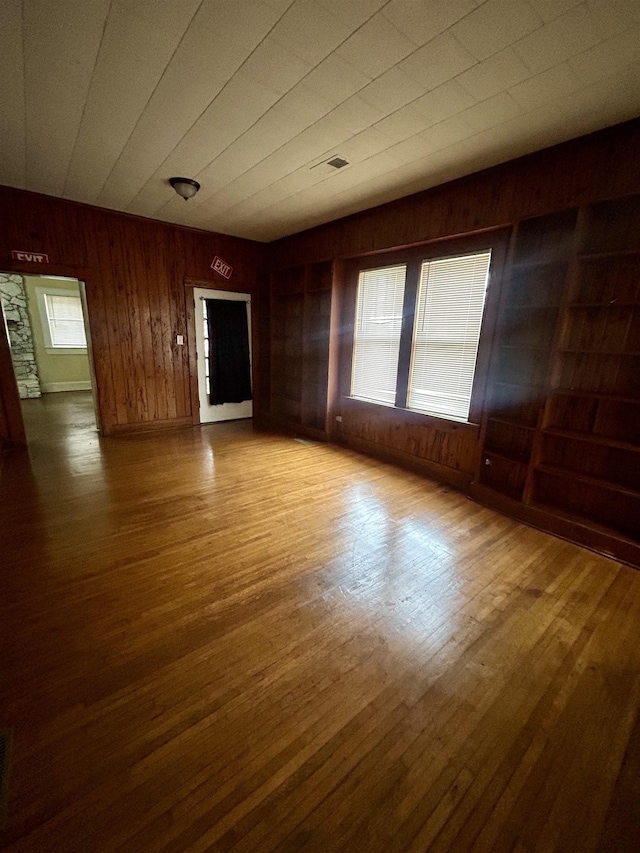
{"x":185,"y":187}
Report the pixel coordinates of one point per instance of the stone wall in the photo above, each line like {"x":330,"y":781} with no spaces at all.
{"x":14,"y":305}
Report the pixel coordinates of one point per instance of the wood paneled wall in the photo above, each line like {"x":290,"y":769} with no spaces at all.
{"x":135,"y":271}
{"x":512,"y":456}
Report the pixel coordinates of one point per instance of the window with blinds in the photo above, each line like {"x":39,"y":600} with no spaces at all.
{"x":438,"y":339}
{"x":66,"y":323}
{"x":446,"y":333}
{"x":378,"y":325}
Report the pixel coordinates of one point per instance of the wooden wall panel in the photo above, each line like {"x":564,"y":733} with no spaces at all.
{"x":135,"y":271}
{"x":11,"y":426}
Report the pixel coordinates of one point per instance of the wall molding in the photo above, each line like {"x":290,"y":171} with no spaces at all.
{"x":53,"y":387}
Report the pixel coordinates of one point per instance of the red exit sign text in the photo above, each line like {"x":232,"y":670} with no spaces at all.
{"x":31,"y":257}
{"x":218,"y":265}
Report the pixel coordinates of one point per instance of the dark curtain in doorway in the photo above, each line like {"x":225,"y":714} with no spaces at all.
{"x":229,"y":365}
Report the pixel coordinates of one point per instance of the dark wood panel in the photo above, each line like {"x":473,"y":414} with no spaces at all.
{"x":452,"y":446}
{"x":134,"y":271}
{"x":11,"y":426}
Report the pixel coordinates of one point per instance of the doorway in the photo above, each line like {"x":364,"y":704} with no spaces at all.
{"x":204,"y":301}
{"x":46,"y":326}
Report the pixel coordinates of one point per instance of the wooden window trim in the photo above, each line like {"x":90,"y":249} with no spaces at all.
{"x":497,"y":241}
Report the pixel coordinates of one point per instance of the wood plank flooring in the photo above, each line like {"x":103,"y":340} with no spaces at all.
{"x":221,"y":640}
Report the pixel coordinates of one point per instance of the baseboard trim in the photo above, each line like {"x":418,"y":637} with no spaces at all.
{"x":149,"y":426}
{"x":450,"y":476}
{"x":580,"y":532}
{"x":53,"y":387}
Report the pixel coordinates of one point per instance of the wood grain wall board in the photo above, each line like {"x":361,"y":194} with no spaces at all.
{"x":404,"y":431}
{"x":11,"y":426}
{"x":134,"y":270}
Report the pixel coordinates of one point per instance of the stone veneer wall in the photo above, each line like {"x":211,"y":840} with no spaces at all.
{"x":14,"y":304}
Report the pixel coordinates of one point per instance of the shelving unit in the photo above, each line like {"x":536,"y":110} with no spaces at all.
{"x":589,"y":462}
{"x":300,"y":325}
{"x":530,"y":306}
{"x":560,"y":440}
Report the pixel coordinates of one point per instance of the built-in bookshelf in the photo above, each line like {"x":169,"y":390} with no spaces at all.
{"x":300,"y":321}
{"x":531,"y":300}
{"x":561,"y":433}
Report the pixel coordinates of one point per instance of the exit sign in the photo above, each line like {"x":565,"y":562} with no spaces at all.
{"x":31,"y":257}
{"x":218,"y":265}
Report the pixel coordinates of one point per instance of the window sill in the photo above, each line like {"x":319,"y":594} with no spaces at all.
{"x":409,"y":416}
{"x":65,"y":350}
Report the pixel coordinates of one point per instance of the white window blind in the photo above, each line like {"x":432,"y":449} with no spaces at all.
{"x":377,"y":334}
{"x":446,"y":333}
{"x":66,"y":324}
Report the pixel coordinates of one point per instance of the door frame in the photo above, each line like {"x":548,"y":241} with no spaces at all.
{"x":8,"y":382}
{"x":190,"y":315}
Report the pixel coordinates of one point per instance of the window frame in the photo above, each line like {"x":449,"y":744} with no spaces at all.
{"x":41,"y":298}
{"x":496,"y":241}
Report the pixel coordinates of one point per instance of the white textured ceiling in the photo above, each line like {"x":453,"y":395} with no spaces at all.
{"x":103,"y":100}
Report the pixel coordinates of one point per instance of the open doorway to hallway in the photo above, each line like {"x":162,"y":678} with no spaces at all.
{"x":47,"y":328}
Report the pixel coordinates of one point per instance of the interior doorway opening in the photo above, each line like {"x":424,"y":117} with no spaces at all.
{"x":45,"y":321}
{"x":238,"y":404}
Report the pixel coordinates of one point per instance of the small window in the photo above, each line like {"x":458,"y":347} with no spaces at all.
{"x":62,"y":319}
{"x":377,"y":334}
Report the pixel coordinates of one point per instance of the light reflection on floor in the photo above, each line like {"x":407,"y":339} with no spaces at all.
{"x":372,"y":576}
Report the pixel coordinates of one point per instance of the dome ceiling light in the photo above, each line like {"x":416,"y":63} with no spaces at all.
{"x":185,"y":187}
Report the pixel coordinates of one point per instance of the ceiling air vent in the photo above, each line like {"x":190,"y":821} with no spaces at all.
{"x":328,"y":167}
{"x":337,"y":162}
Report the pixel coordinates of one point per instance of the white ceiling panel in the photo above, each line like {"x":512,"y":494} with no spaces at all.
{"x":615,"y":54}
{"x":567,"y":35}
{"x":113,"y":105}
{"x":614,"y":16}
{"x":391,"y":90}
{"x":438,"y":61}
{"x":310,"y":31}
{"x":494,"y":25}
{"x":59,"y":57}
{"x":444,"y":101}
{"x":550,"y":9}
{"x":423,"y":21}
{"x":105,"y":101}
{"x":494,"y":75}
{"x":12,"y":102}
{"x":376,"y":46}
{"x":355,"y":12}
{"x":557,"y":82}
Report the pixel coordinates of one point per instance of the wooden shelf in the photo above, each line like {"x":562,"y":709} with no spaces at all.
{"x":504,"y":457}
{"x":600,"y":395}
{"x":595,"y":256}
{"x":612,"y":303}
{"x":528,"y":306}
{"x":523,"y":265}
{"x":507,"y":422}
{"x":519,"y":385}
{"x":576,"y":477}
{"x":524,"y":346}
{"x":597,"y":352}
{"x":574,"y":518}
{"x":592,"y":438}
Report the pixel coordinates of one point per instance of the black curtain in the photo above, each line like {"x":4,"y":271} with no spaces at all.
{"x":229,"y":367}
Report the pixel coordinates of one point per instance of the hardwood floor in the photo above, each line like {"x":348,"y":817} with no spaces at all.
{"x":220,"y":640}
